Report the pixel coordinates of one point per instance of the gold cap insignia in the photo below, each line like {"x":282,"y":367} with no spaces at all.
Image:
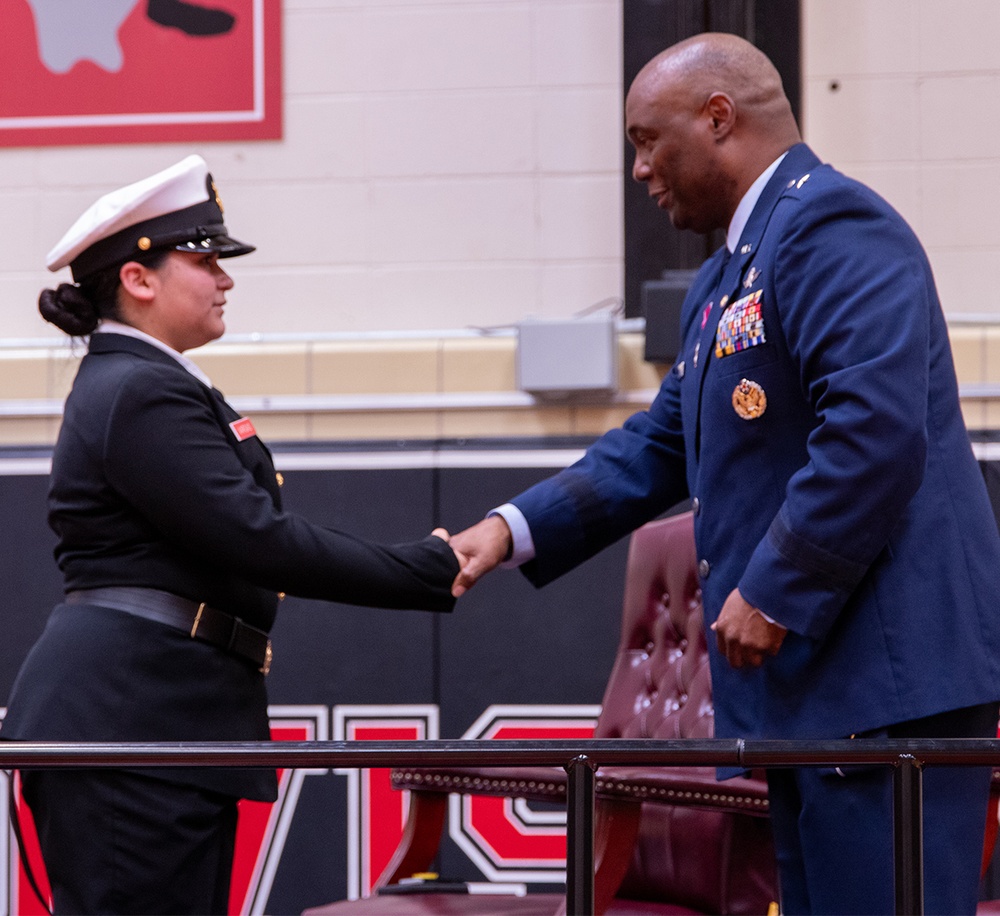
{"x":218,"y":199}
{"x":749,"y":400}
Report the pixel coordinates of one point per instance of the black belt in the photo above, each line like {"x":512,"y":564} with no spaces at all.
{"x":200,"y":621}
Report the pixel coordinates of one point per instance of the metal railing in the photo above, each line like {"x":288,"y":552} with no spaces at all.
{"x":580,"y":758}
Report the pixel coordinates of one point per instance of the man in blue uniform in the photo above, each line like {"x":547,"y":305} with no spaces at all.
{"x":849,"y":559}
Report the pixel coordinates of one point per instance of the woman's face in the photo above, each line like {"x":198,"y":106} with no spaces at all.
{"x":190,"y":292}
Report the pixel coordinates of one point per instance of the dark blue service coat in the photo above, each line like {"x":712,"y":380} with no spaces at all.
{"x":813,"y":415}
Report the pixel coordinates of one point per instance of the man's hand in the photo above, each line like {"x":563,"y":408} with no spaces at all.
{"x":481,"y":548}
{"x":744,"y":635}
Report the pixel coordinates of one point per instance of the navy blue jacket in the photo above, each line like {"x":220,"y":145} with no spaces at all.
{"x":152,"y":487}
{"x":850,"y":508}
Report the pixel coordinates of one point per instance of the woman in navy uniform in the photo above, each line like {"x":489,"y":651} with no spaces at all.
{"x":175,"y":550}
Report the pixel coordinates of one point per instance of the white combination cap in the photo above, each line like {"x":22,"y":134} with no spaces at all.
{"x":177,"y":208}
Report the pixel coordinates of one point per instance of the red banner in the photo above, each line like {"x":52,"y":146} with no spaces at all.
{"x":121,"y":71}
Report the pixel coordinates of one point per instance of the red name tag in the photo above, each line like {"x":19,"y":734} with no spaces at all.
{"x":242,"y":428}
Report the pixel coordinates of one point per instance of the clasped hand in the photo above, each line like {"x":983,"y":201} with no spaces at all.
{"x":479,"y":549}
{"x":744,"y":635}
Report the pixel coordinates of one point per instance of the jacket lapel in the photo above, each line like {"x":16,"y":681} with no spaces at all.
{"x":793,"y":167}
{"x":792,"y":170}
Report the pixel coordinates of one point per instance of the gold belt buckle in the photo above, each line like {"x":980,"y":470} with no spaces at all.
{"x":197,"y":619}
{"x":265,"y":669}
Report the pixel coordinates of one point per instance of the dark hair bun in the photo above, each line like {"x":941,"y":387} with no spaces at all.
{"x":69,"y":309}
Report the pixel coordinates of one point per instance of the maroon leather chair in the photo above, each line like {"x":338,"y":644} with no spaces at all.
{"x":667,"y":839}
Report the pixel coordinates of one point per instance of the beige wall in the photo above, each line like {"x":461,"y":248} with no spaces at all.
{"x":905,"y":95}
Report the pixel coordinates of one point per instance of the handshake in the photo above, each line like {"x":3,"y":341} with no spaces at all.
{"x":478,"y":549}
{"x":745,"y":637}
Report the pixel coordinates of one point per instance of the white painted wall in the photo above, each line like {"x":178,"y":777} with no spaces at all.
{"x":905,"y":95}
{"x":449,"y":163}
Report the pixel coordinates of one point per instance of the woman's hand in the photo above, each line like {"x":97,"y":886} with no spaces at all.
{"x":446,"y":537}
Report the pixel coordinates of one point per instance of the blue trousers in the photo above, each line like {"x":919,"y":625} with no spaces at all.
{"x":833,"y":827}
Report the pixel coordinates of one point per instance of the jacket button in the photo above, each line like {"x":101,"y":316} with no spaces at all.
{"x":278,"y":476}
{"x":696,"y":505}
{"x":704,"y":568}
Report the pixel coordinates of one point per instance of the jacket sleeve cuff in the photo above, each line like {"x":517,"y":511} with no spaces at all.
{"x":799,"y":584}
{"x":523,"y":545}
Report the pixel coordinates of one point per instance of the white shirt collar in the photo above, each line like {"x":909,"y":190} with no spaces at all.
{"x":110,"y":326}
{"x":739,"y":221}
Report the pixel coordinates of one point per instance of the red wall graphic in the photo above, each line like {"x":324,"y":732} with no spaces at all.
{"x":376,"y":812}
{"x":120,"y":71}
{"x":507,"y":841}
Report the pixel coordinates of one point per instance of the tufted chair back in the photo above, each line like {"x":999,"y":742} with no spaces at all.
{"x":660,"y":686}
{"x":716,"y":859}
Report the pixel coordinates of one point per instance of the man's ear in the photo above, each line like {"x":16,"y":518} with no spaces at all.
{"x":722,"y":112}
{"x":137,"y":280}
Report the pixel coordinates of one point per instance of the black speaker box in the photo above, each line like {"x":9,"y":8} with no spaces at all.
{"x":661,"y":307}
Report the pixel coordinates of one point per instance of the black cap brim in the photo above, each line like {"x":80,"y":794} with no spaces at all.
{"x":223,"y":245}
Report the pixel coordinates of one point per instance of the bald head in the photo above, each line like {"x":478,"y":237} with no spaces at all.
{"x":707,"y":114}
{"x":717,"y":62}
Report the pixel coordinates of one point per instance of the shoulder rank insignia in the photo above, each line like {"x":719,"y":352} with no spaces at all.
{"x":749,"y":400}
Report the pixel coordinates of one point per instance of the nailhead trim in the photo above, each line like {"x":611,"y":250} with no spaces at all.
{"x":402,"y":779}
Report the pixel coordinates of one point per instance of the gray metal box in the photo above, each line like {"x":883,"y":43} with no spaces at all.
{"x":563,"y":356}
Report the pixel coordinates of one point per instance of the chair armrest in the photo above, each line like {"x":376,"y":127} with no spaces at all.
{"x":429,"y":790}
{"x":685,"y":786}
{"x":542,"y":784}
{"x":421,"y":838}
{"x":688,"y":786}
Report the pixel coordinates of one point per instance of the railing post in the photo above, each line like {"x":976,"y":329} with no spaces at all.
{"x":580,"y":836}
{"x":908,"y":836}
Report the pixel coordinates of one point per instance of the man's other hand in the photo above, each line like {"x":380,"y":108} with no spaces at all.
{"x":744,"y":635}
